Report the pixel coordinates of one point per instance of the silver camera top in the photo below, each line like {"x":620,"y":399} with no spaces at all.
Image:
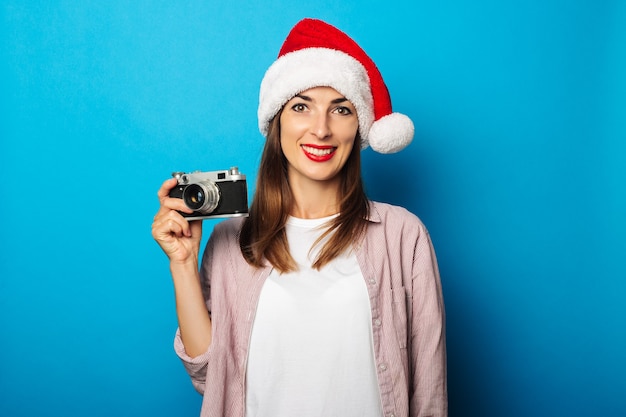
{"x":231,"y":174}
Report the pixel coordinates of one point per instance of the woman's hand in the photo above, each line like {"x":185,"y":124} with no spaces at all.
{"x":179,"y":238}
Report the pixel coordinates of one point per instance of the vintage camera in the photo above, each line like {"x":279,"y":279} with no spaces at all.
{"x":214,"y":194}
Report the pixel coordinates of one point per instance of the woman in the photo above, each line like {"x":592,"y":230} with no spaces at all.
{"x":321,"y":302}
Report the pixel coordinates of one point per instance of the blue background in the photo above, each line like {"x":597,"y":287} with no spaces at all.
{"x":518,"y":169}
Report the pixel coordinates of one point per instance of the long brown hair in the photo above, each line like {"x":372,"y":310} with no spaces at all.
{"x":263,"y":232}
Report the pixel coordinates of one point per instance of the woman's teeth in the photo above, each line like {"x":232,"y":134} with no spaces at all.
{"x":318,"y":152}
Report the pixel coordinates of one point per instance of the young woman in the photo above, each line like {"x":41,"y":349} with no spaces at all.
{"x":321,"y":302}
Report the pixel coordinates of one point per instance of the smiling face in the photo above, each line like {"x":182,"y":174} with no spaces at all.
{"x":318,"y":128}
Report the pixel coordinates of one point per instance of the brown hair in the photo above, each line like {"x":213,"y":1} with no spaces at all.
{"x":263,"y":232}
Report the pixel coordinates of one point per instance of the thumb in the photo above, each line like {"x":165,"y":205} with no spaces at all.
{"x":195,"y":228}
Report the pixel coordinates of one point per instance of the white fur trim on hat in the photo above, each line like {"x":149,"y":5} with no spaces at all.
{"x":307,"y":68}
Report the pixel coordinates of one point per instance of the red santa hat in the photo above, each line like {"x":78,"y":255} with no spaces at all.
{"x":316,"y":54}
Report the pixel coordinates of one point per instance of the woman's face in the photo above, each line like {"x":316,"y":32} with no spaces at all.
{"x":318,"y":128}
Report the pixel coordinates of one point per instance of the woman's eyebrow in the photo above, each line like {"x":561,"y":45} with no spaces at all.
{"x":335,"y":101}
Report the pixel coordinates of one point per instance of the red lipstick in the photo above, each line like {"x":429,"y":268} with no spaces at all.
{"x":318,"y":153}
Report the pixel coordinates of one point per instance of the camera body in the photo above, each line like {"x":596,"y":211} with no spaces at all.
{"x":213,"y":194}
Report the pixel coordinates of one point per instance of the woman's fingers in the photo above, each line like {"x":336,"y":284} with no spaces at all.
{"x":169,"y":223}
{"x":166,"y":187}
{"x":168,"y":202}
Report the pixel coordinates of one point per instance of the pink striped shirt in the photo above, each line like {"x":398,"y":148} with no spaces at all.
{"x":398,"y":264}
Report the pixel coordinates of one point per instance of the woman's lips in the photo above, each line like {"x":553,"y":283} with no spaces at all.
{"x":318,"y":153}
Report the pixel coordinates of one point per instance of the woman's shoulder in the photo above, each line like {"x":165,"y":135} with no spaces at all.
{"x":396,"y":225}
{"x":395,"y":220}
{"x":224,"y":237}
{"x":385,"y":212}
{"x":229,"y":227}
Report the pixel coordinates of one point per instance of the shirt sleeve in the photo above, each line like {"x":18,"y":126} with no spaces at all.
{"x":195,"y":367}
{"x":429,"y":397}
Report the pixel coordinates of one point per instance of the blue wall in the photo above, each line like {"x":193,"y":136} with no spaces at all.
{"x":518,"y":169}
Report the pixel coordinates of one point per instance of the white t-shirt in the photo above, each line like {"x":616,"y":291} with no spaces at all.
{"x":311,"y":351}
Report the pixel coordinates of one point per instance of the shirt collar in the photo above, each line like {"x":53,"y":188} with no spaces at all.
{"x":373,"y":215}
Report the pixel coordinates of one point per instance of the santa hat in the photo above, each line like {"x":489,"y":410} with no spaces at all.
{"x":316,"y":54}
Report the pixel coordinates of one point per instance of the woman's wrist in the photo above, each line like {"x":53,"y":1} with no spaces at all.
{"x":184,"y":268}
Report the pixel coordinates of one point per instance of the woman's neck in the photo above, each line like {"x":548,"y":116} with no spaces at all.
{"x":315,"y":199}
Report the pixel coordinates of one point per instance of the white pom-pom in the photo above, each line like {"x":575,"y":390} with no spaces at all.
{"x":391,"y":133}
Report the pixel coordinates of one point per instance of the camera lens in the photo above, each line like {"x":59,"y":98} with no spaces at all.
{"x":196,"y":199}
{"x":202,"y":197}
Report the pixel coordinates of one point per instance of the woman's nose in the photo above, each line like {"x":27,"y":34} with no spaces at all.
{"x":320,"y":125}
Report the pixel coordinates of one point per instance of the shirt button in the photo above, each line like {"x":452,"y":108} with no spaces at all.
{"x":372,"y":281}
{"x":382,"y":367}
{"x":377,"y":322}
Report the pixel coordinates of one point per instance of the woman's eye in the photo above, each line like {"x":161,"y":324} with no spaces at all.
{"x":299,"y":107}
{"x":343,"y":110}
